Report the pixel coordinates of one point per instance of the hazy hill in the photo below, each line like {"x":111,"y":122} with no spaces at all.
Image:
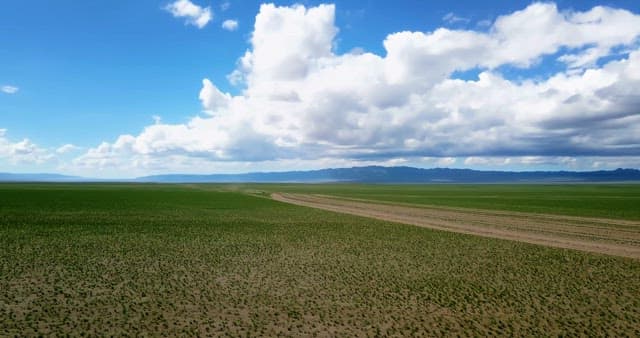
{"x":371,"y":174}
{"x":10,"y":177}
{"x":377,"y":174}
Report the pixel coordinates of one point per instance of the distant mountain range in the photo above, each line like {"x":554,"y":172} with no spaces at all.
{"x":370,"y":174}
{"x":8,"y":177}
{"x":376,"y":174}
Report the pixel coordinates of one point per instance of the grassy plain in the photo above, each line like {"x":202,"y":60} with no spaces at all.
{"x":618,"y":201}
{"x":161,"y":259}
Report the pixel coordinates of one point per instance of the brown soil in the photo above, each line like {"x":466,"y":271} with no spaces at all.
{"x":606,"y":236}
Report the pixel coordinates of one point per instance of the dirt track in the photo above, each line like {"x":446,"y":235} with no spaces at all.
{"x":607,"y":236}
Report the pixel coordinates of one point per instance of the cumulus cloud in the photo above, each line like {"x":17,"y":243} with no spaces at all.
{"x":230,"y":25}
{"x":9,"y":89}
{"x":67,"y":148}
{"x":302,"y":101}
{"x":23,"y":151}
{"x":194,"y":14}
{"x":212,"y":98}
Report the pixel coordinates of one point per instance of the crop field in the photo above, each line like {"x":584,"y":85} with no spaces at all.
{"x":212,"y":260}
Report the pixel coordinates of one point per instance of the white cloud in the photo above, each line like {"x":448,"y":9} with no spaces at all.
{"x":451,"y":18}
{"x":484,"y":23}
{"x":67,"y":148}
{"x":487,"y":161}
{"x":446,"y":161}
{"x":303,"y":101}
{"x":230,"y":25}
{"x":23,"y":151}
{"x":212,"y":98}
{"x":9,"y":89}
{"x":580,"y":163}
{"x":608,"y":163}
{"x":194,"y":14}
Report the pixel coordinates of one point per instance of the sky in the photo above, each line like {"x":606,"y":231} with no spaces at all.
{"x":118,"y":89}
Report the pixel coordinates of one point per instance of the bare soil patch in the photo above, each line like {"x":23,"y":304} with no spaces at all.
{"x":606,"y":236}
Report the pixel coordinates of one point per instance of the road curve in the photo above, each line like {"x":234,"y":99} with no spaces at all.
{"x":605,"y":236}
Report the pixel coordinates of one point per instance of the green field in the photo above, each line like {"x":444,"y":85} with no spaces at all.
{"x":620,"y":201}
{"x":175,"y":260}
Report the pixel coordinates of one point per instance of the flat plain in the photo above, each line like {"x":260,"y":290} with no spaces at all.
{"x":227,"y":260}
{"x":618,"y":201}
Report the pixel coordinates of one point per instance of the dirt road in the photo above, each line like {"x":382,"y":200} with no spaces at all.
{"x":607,"y":236}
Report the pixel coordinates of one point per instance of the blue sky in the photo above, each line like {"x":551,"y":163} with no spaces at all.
{"x":84,"y":74}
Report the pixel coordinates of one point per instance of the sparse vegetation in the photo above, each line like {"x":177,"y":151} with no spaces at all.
{"x":179,"y":260}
